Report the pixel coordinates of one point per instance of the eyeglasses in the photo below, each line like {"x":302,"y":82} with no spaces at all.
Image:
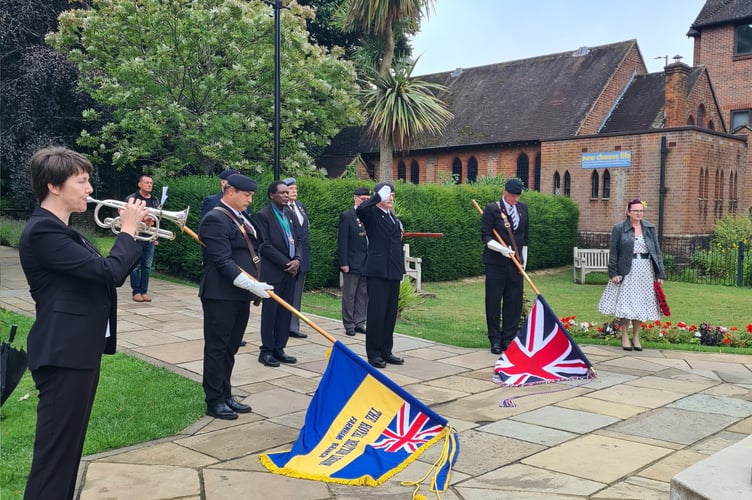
{"x":637,"y":211}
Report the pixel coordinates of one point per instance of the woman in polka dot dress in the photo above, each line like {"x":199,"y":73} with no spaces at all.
{"x":634,"y":262}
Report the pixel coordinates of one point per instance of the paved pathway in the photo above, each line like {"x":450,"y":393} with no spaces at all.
{"x":646,"y":417}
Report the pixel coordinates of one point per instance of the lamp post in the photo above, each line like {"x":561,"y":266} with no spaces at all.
{"x":277,"y":6}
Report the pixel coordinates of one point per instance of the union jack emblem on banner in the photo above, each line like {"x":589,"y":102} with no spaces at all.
{"x":408,"y":431}
{"x":542,"y":352}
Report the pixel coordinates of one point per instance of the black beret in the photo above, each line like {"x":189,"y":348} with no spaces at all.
{"x":227,"y":173}
{"x":381,"y":185}
{"x":241,"y":182}
{"x":290,"y":181}
{"x":362,"y":192}
{"x":514,"y":186}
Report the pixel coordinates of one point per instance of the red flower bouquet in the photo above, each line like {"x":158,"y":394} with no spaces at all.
{"x":661,"y":297}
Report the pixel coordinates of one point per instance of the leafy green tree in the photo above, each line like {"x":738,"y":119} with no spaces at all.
{"x":189,"y":86}
{"x":396,"y":107}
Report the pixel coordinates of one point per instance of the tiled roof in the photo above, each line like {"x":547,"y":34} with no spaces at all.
{"x":716,"y":12}
{"x":529,"y":99}
{"x":641,"y":106}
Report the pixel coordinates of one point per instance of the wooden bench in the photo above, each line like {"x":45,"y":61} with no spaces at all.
{"x":412,"y":267}
{"x":588,"y":260}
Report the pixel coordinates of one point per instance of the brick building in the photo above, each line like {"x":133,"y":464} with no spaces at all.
{"x":593,"y":125}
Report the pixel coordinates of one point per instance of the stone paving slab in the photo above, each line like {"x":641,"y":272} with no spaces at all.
{"x":523,"y":479}
{"x":674,"y":425}
{"x":528,"y":432}
{"x":598,"y":458}
{"x":575,"y":421}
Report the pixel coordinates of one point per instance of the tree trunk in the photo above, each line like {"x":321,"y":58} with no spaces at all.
{"x":384,"y":171}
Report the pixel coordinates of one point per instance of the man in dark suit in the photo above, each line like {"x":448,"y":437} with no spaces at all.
{"x":352,"y":247}
{"x":300,"y":220}
{"x":503,"y":279}
{"x":229,"y":256}
{"x":280,"y":261}
{"x":384,"y":269}
{"x":73,"y":288}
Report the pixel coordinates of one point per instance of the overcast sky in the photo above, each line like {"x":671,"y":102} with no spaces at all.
{"x":467,"y":33}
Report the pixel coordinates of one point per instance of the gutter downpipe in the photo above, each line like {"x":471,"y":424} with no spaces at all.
{"x":662,"y":188}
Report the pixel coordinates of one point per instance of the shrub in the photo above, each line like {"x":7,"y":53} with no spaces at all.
{"x":10,"y":232}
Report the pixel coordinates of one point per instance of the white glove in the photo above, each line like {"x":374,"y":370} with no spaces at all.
{"x":498,"y":247}
{"x":524,"y":258}
{"x":384,"y":193}
{"x":257,"y":288}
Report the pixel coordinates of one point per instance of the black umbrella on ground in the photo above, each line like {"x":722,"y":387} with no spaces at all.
{"x":13,"y":363}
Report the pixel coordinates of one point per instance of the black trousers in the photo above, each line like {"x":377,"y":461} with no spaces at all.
{"x":383,"y":296}
{"x":66,"y":397}
{"x":503,"y":303}
{"x":224,"y":324}
{"x":275,"y":319}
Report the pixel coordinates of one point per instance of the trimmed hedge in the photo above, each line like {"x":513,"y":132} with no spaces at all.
{"x":446,"y":209}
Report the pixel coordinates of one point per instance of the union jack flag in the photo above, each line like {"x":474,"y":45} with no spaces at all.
{"x":542,"y":352}
{"x":408,"y":431}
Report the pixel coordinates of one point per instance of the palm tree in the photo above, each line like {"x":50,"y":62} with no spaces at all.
{"x":400,"y":109}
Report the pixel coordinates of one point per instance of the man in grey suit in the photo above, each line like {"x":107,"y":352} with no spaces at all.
{"x":352,"y":247}
{"x":299,"y":216}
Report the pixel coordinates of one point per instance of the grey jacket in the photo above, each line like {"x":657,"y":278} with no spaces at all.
{"x":622,"y":249}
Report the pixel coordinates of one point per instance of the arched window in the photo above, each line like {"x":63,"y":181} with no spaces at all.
{"x":691,"y":121}
{"x":414,"y":172}
{"x":703,"y":198}
{"x":711,"y":125}
{"x":594,"y":187}
{"x":401,"y":171}
{"x":537,"y":173}
{"x":732,"y":204}
{"x":557,"y":183}
{"x":567,"y":184}
{"x":457,"y":171}
{"x":472,"y":169}
{"x":606,"y":184}
{"x":701,"y":116}
{"x":523,"y":168}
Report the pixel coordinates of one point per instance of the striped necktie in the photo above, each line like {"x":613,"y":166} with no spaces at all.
{"x":515,"y":216}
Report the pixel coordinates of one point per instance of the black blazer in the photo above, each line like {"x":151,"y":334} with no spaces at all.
{"x":272,"y":244}
{"x":352,"y":242}
{"x":225,"y":250}
{"x":303,"y":234}
{"x":491,"y":219}
{"x":73,"y":287}
{"x":385,"y":257}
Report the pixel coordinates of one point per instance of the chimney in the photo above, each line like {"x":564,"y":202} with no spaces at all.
{"x":675,"y":94}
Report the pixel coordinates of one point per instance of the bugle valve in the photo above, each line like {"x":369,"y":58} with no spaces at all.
{"x":145,"y":232}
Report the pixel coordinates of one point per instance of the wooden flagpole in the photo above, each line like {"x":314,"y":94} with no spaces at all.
{"x":514,"y":257}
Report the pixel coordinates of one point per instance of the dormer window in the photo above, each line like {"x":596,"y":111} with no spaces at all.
{"x":743,"y":43}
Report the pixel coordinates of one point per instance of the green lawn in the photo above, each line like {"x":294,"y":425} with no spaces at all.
{"x":453,"y":313}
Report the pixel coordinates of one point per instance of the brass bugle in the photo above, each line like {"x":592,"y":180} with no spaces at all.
{"x":145,"y":232}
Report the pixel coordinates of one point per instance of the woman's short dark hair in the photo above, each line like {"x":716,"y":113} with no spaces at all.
{"x":54,"y":165}
{"x":633,"y":202}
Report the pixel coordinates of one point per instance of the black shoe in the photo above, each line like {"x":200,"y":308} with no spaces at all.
{"x":377,"y":362}
{"x":222,"y":411}
{"x":360,"y":329}
{"x":284,"y":358}
{"x":298,"y":335}
{"x":394,"y":360}
{"x":237,"y":406}
{"x":350,"y":332}
{"x":496,"y":348}
{"x":268,"y":360}
{"x":243,"y":343}
{"x":628,"y":348}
